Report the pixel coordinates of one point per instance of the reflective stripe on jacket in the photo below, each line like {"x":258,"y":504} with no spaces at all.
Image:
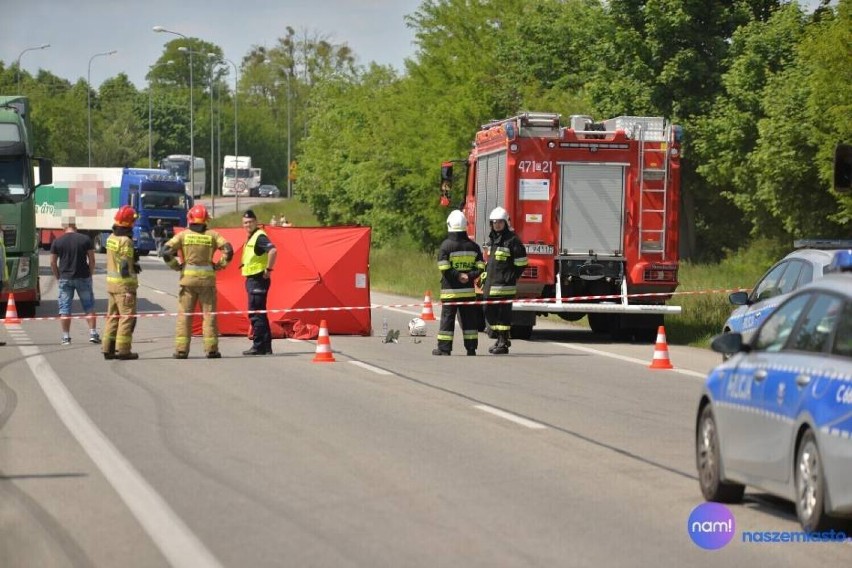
{"x":459,"y":255}
{"x":120,"y":255}
{"x":507,"y":260}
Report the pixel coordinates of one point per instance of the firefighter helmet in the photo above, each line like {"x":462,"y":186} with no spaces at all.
{"x":125,"y":216}
{"x":499,"y":214}
{"x":417,"y":327}
{"x":456,"y":222}
{"x":197,"y":215}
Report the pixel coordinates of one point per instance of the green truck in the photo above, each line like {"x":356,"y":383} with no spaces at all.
{"x":17,"y":203}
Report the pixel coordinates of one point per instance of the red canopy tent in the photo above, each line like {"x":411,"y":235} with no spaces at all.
{"x":317,"y":268}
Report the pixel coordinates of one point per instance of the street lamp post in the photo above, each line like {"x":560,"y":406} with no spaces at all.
{"x":161,"y":29}
{"x":150,"y":143}
{"x":18,"y":62}
{"x":212,"y":57}
{"x":236,"y":130}
{"x":289,"y":159}
{"x":89,"y":96}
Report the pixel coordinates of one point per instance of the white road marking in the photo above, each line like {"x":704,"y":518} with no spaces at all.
{"x":686,"y":372}
{"x":369,"y":367}
{"x":168,"y":532}
{"x":512,"y":417}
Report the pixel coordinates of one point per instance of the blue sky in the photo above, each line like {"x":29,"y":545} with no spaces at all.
{"x":77,"y":29}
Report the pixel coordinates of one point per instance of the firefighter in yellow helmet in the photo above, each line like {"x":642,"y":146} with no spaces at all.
{"x":191,"y":252}
{"x":122,"y":266}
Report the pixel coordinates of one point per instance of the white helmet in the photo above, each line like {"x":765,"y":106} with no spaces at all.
{"x":456,"y":222}
{"x":499,"y":214}
{"x":417,"y":327}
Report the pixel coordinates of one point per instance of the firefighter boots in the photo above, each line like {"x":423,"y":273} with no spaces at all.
{"x":502,"y":345}
{"x":109,"y":351}
{"x":129,"y":356}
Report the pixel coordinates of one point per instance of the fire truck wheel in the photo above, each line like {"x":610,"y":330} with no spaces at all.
{"x":600,"y":323}
{"x":645,"y":335}
{"x":521,"y":331}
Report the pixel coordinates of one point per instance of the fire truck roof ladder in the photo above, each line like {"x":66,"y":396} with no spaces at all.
{"x":653,"y":199}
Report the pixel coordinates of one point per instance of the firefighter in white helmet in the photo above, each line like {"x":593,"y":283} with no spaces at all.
{"x":460,"y":262}
{"x":507,"y":260}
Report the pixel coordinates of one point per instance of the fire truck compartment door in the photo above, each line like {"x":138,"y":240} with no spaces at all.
{"x":592,"y":203}
{"x":490,"y":190}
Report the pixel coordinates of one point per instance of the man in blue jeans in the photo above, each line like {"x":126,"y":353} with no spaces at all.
{"x":72,"y":260}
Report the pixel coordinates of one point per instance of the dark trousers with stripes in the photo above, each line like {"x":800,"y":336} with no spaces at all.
{"x":470,"y":319}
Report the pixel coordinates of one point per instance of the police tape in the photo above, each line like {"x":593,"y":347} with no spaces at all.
{"x":543,"y":301}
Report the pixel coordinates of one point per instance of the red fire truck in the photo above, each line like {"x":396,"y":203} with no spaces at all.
{"x":596,"y":205}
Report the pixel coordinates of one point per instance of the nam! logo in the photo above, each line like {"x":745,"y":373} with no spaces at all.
{"x":711,"y":526}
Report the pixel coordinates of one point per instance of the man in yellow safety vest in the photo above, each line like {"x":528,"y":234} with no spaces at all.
{"x":258,"y":259}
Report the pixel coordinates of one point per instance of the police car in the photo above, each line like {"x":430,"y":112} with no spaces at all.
{"x":777,"y":415}
{"x":802,"y":266}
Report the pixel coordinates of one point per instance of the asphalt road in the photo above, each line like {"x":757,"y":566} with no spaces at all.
{"x":567,"y":452}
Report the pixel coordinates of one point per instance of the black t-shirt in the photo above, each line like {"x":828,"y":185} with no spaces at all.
{"x":72,"y":250}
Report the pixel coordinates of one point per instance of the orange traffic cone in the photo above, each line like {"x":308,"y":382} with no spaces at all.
{"x":324,"y":354}
{"x":661,"y":352}
{"x":426,"y":314}
{"x":11,"y":311}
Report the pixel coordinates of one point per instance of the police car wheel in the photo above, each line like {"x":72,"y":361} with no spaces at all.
{"x":810,"y":485}
{"x":709,"y":462}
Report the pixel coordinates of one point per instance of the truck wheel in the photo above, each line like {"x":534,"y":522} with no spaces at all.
{"x":26,"y":309}
{"x":521,"y":331}
{"x":600,"y":323}
{"x":646,"y":335}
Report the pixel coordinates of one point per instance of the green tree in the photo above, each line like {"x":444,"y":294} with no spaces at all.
{"x":766,"y":146}
{"x":729,"y":132}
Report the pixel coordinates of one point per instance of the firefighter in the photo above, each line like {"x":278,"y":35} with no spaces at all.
{"x":196,"y":248}
{"x":507,"y":260}
{"x":258,"y":259}
{"x":122,"y":266}
{"x":460,"y":262}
